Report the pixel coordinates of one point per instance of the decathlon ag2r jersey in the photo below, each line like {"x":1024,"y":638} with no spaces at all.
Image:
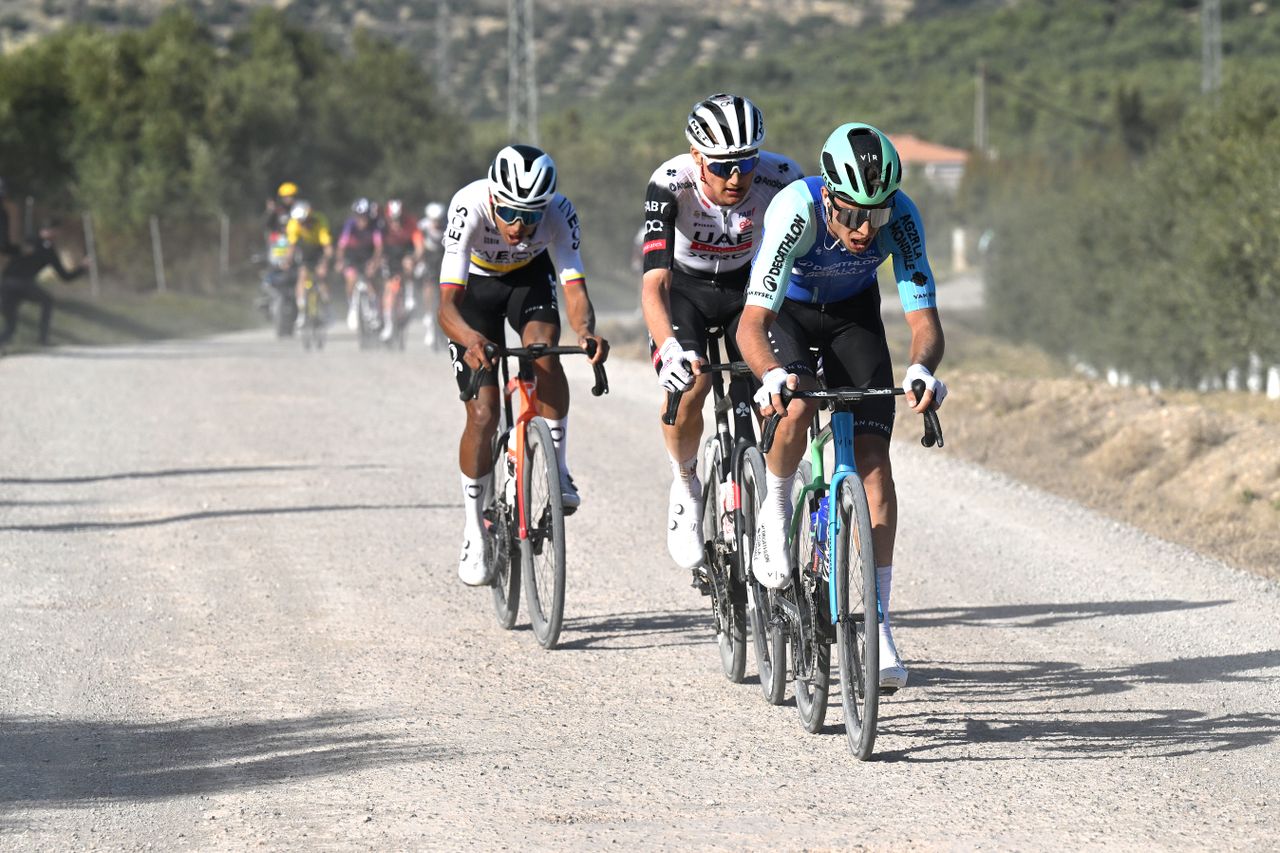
{"x":799,"y":259}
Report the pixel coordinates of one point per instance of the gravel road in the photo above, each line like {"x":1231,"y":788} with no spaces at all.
{"x":230,"y":617}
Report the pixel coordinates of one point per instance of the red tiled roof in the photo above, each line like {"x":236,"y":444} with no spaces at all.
{"x":913,"y":150}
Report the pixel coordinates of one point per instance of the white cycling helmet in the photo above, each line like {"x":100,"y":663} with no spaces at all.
{"x":434,"y":210}
{"x":523,"y":176}
{"x":725,"y":125}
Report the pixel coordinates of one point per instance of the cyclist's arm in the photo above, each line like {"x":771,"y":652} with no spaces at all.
{"x":457,"y":329}
{"x":658,"y":251}
{"x":904,"y":236}
{"x":566,"y":257}
{"x":788,"y":235}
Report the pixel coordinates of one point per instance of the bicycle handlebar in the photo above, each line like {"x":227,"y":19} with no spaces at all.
{"x":735,"y":368}
{"x":536,"y":351}
{"x":932,"y":426}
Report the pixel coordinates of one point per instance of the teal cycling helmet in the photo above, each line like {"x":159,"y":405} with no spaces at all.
{"x":860,"y":165}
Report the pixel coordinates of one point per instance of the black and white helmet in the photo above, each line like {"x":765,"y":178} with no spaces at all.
{"x":523,"y":176}
{"x":725,"y":125}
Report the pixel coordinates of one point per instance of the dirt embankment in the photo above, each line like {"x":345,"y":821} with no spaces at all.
{"x":1196,"y":471}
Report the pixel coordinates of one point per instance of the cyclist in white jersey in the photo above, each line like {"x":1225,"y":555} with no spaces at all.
{"x":507,"y":239}
{"x":703,"y":211}
{"x":814,"y":284}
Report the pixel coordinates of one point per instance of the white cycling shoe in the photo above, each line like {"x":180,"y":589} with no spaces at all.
{"x":893,"y":675}
{"x":474,"y":563}
{"x":353,"y":322}
{"x":684,"y":516}
{"x":387,"y":331}
{"x":770,"y":562}
{"x":569,"y":497}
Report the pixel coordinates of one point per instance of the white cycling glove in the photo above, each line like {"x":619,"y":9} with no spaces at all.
{"x":931,"y":383}
{"x":773,"y":381}
{"x":675,"y":370}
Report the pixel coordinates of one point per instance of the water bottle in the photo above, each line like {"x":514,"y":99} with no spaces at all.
{"x":819,"y":521}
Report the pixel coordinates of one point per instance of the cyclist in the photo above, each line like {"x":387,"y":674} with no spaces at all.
{"x":359,"y":252}
{"x":278,"y":208}
{"x":312,"y":245}
{"x":432,"y":227}
{"x":701,"y":211}
{"x":814,"y":284}
{"x":402,"y":247}
{"x":507,"y":240}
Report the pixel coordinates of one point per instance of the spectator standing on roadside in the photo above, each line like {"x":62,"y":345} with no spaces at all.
{"x":18,"y":283}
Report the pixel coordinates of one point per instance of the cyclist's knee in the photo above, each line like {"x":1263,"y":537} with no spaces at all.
{"x":482,"y":415}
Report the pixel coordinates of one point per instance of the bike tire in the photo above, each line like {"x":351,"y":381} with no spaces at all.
{"x":730,"y":616}
{"x":542,"y":552}
{"x":506,"y":568}
{"x":811,"y":690}
{"x":506,"y":554}
{"x":769,"y":643}
{"x":857,"y":631}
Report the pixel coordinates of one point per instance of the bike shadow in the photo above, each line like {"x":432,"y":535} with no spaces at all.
{"x":1038,"y":615}
{"x":58,"y":762}
{"x":1022,"y":704}
{"x":648,"y":629}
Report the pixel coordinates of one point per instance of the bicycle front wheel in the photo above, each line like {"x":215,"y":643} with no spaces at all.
{"x":768,"y":641}
{"x":857,"y":629}
{"x":730,"y":616}
{"x":543,"y":550}
{"x":810,"y":651}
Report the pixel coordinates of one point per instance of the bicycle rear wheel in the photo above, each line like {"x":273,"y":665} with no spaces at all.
{"x":730,"y":616}
{"x":769,"y":643}
{"x":857,"y":631}
{"x":543,"y":551}
{"x":810,"y":651}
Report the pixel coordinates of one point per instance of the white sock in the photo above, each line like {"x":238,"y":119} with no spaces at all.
{"x":884,"y":584}
{"x":559,"y":433}
{"x":686,"y":474}
{"x":778,"y":497}
{"x":475,"y":494}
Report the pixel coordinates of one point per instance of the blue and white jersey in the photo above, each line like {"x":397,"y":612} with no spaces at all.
{"x":799,"y":259}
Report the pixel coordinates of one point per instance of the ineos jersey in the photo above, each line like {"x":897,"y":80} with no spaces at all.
{"x":473,"y":245}
{"x":683,"y":231}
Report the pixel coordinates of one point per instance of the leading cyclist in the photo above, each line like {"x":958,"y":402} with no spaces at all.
{"x":507,"y":240}
{"x":814,"y":284}
{"x":701,"y":211}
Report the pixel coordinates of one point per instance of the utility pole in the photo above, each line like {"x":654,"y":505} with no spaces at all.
{"x":1211,"y":47}
{"x":980,"y":110}
{"x":443,"y":34}
{"x":522,"y":75}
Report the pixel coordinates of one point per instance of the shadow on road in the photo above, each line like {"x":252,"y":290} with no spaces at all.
{"x":1046,"y":730}
{"x":58,"y":762}
{"x":208,"y":515}
{"x":176,"y":472}
{"x":1038,"y":615}
{"x":659,"y":628}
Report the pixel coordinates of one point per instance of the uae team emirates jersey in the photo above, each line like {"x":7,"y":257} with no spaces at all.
{"x":683,"y":231}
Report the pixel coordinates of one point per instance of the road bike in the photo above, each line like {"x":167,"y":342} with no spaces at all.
{"x":730,"y":463}
{"x":368,"y":313}
{"x":831,"y":540}
{"x":314,"y":321}
{"x":525,"y":517}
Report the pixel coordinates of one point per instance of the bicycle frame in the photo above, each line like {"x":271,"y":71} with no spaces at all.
{"x":521,"y":394}
{"x":840,"y":431}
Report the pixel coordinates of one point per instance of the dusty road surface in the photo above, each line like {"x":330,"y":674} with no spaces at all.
{"x":229,"y":617}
